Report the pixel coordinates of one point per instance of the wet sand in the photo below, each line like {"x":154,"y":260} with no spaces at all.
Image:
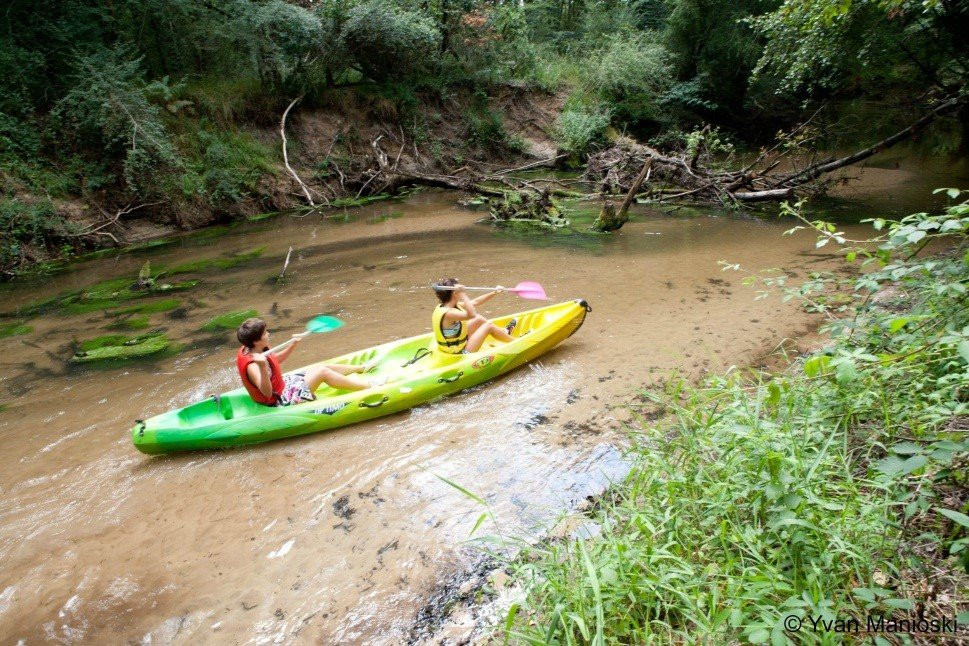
{"x":339,"y":537}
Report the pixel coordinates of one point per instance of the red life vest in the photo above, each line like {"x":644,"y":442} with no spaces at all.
{"x":243,"y":359}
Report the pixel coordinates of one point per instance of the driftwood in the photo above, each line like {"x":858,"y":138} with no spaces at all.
{"x":609,"y":219}
{"x":97,"y":229}
{"x":622,"y":168}
{"x":614,"y":169}
{"x":282,"y":134}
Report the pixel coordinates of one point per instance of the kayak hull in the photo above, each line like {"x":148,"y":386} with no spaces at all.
{"x":416,"y":373}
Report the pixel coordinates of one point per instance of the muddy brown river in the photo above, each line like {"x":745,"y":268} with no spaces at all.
{"x":341,"y":537}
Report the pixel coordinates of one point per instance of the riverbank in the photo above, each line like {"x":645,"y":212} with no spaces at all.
{"x":765,"y":506}
{"x":328,"y":148}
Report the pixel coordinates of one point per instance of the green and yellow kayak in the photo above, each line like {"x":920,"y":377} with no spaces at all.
{"x":415,"y":370}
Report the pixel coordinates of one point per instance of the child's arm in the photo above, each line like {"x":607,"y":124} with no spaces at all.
{"x":484,"y":298}
{"x":258,"y":372}
{"x":288,"y":350}
{"x":455,"y":314}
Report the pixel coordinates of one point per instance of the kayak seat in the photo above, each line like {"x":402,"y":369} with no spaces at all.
{"x":210,"y":411}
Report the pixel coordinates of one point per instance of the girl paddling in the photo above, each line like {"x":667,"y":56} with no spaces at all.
{"x":458,"y":328}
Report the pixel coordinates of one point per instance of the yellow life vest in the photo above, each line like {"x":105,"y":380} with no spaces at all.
{"x":456,"y":336}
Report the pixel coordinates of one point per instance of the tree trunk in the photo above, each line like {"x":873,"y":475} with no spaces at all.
{"x":763,"y":196}
{"x":813,"y":172}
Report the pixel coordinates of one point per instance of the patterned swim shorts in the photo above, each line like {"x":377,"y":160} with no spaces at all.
{"x":295,"y":390}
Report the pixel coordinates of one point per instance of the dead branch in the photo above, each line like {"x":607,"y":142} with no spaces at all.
{"x":634,"y":189}
{"x":813,"y":172}
{"x":763,"y":196}
{"x":544,"y":163}
{"x":282,"y":134}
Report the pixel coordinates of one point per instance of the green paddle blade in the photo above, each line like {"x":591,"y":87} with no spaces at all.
{"x":323,"y":323}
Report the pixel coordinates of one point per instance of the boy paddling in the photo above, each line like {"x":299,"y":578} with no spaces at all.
{"x":265,"y":382}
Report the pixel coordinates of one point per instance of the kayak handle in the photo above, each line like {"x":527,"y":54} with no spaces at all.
{"x":141,"y":423}
{"x":451,"y":380}
{"x":375,"y":404}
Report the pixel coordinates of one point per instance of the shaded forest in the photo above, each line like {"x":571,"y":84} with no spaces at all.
{"x":162,"y":108}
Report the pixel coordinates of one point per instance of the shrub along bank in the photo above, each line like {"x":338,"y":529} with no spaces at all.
{"x":835,"y":490}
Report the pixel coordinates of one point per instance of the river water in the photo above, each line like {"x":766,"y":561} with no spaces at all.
{"x":340,"y":537}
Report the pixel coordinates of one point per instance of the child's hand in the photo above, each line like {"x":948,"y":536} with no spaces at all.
{"x":296,"y":339}
{"x":499,"y":289}
{"x":259,"y":358}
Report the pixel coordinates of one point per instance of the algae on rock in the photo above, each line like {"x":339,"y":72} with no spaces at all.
{"x":119,"y":347}
{"x":229,"y":321}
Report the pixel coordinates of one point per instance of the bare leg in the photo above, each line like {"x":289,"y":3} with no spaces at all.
{"x":344,"y":369}
{"x":476,"y":323}
{"x":476,"y":340}
{"x":332,"y":378}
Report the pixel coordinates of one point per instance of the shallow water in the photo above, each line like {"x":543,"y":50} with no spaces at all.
{"x":341,"y":536}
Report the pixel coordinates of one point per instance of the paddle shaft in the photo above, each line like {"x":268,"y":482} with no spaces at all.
{"x":286,"y":344}
{"x":477,"y":289}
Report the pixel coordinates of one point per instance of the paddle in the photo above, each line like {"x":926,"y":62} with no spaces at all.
{"x":527,"y":289}
{"x":316,"y":325}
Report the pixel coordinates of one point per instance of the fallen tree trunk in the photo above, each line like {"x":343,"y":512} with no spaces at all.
{"x":815,"y":171}
{"x":614,"y":169}
{"x":764,"y":196}
{"x":609,"y":219}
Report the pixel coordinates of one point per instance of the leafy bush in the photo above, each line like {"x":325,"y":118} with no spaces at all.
{"x":28,"y":223}
{"x":108,"y":107}
{"x":222,"y":165}
{"x":578,"y":129}
{"x":390,"y":41}
{"x":282,"y":37}
{"x":486,"y":130}
{"x":632,"y":74}
{"x":837,"y":489}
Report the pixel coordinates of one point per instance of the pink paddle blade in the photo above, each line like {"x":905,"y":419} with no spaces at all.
{"x":529,"y":290}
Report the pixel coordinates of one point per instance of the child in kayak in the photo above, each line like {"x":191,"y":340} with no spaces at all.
{"x":458,"y":328}
{"x":264,"y":379}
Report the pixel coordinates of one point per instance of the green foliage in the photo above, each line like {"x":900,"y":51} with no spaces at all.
{"x":824,"y":45}
{"x":29,"y":223}
{"x":222,"y":165}
{"x":387,"y":40}
{"x":825,"y":491}
{"x":713,"y":51}
{"x":631,"y":75}
{"x":486,"y":130}
{"x":282,"y":35}
{"x":579,"y":130}
{"x":108,"y":106}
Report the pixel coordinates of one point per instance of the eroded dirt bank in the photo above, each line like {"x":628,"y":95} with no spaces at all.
{"x":329,"y":148}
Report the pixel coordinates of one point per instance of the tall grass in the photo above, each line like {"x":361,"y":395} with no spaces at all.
{"x":835,"y":490}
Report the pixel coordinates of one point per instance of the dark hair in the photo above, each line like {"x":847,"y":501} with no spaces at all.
{"x":444,"y":295}
{"x":250,"y":331}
